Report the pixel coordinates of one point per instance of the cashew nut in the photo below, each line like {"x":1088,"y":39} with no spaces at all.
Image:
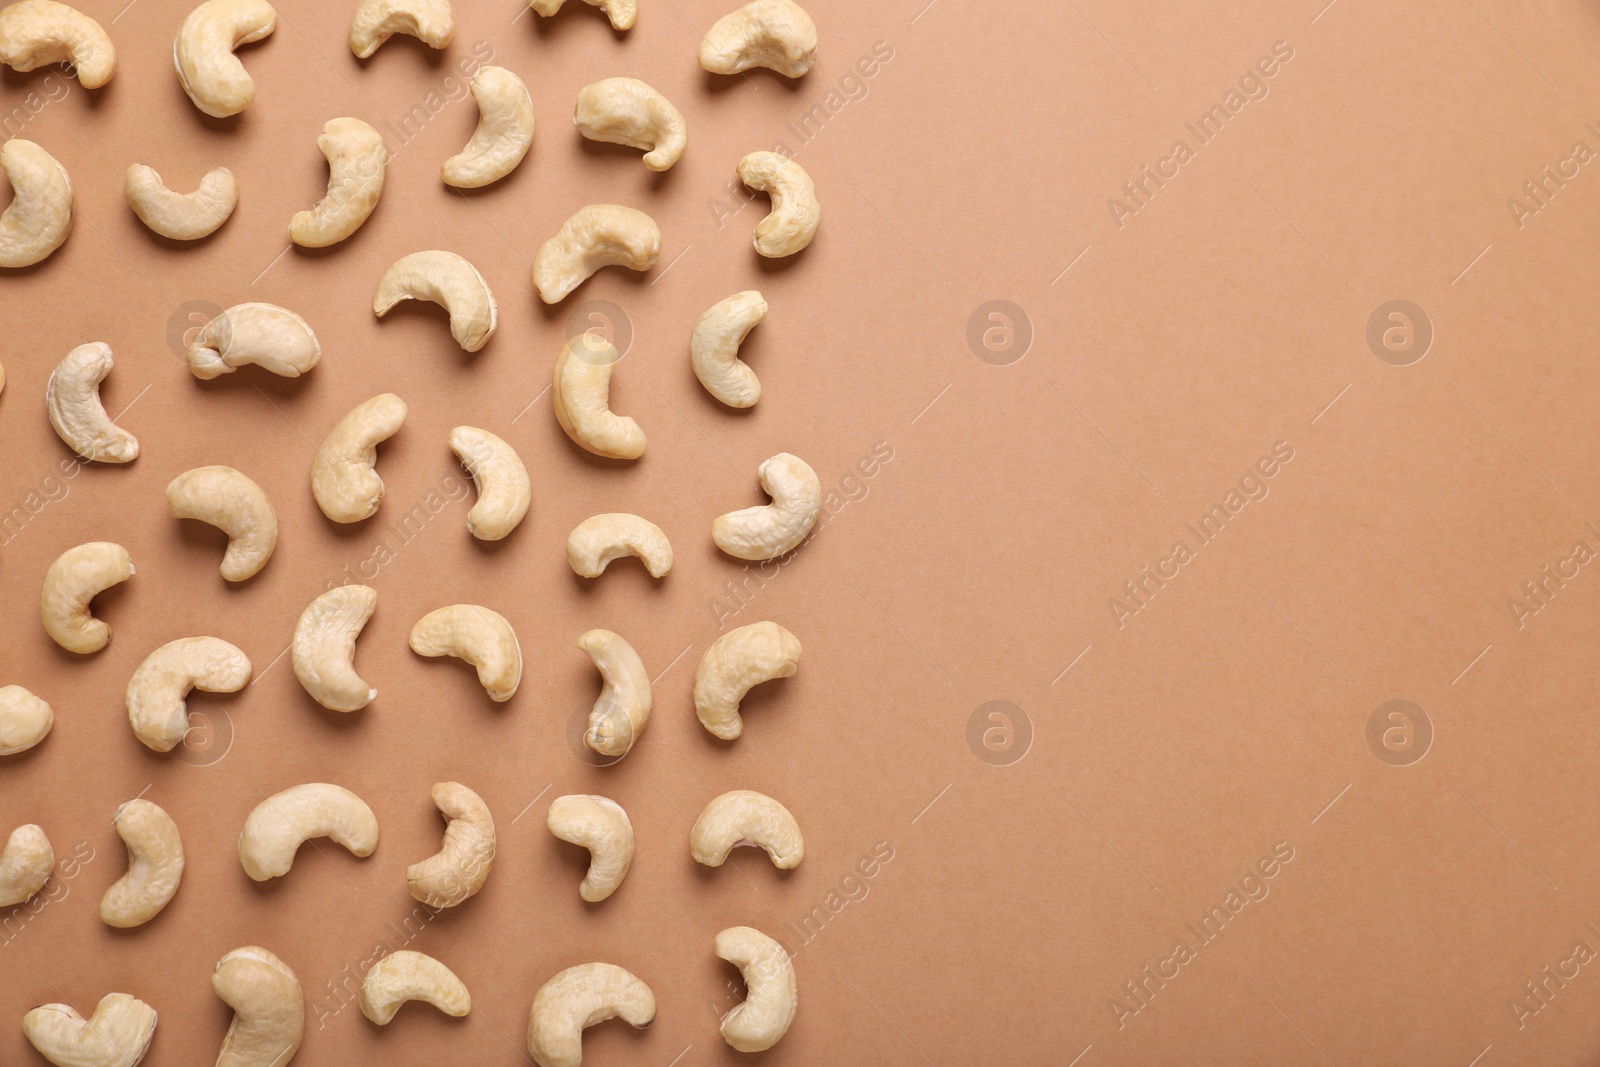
{"x":619,"y":715}
{"x":155,"y":864}
{"x":181,"y":216}
{"x":224,"y":498}
{"x":445,"y":279}
{"x":771,"y":998}
{"x":407,"y":975}
{"x":273,"y":338}
{"x":504,"y":492}
{"x":478,"y":635}
{"x":269,"y":1015}
{"x":375,"y":21}
{"x":714,"y":348}
{"x":157,"y":690}
{"x":25,"y":864}
{"x":581,"y":396}
{"x":626,"y":111}
{"x":599,"y":235}
{"x":620,"y":12}
{"x":601,"y":826}
{"x":599,"y":539}
{"x":70,"y":583}
{"x":279,"y":825}
{"x":35,"y":33}
{"x":40,"y":214}
{"x":769,"y":531}
{"x":735,"y":663}
{"x":343,"y":477}
{"x":24,"y":720}
{"x":116,"y":1035}
{"x":72,"y":400}
{"x":792,"y":223}
{"x":505,"y":130}
{"x":324,"y":646}
{"x":777,"y":34}
{"x":203,"y":53}
{"x":356,"y":158}
{"x":745,"y":817}
{"x":578,"y":998}
{"x":461,"y":866}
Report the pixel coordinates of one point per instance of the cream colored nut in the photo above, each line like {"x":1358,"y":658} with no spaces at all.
{"x":159,"y":686}
{"x":504,"y":133}
{"x":356,"y":159}
{"x":771,"y":997}
{"x":714,"y":348}
{"x":445,"y":279}
{"x":776,"y":34}
{"x":70,"y":583}
{"x":269,"y":1014}
{"x":25,"y":864}
{"x":599,"y":539}
{"x":344,"y":478}
{"x":620,"y":12}
{"x":619,"y":715}
{"x":271,"y":337}
{"x":407,"y":975}
{"x":745,"y":817}
{"x":461,"y":866}
{"x":580,"y":394}
{"x":375,"y":21}
{"x":735,"y":663}
{"x":478,"y":635}
{"x":599,"y":235}
{"x":39,"y":216}
{"x":601,"y":826}
{"x":203,"y":53}
{"x":181,"y":216}
{"x":578,"y":998}
{"x":504,"y":491}
{"x":72,"y":400}
{"x":36,"y":33}
{"x":769,"y":531}
{"x":155,"y":865}
{"x":792,"y":223}
{"x":24,"y":720}
{"x":324,"y":647}
{"x":284,"y":821}
{"x":626,"y":111}
{"x":224,"y":498}
{"x":117,"y":1034}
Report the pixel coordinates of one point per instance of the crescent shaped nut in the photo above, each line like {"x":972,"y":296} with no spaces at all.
{"x":223,"y":497}
{"x":627,"y":111}
{"x":448,"y":280}
{"x":39,"y":216}
{"x":72,"y":402}
{"x":271,"y":337}
{"x":25,"y":719}
{"x":430,"y":21}
{"x":580,"y":395}
{"x":599,"y":539}
{"x":795,"y":215}
{"x":478,"y":635}
{"x":745,"y":817}
{"x":623,"y":707}
{"x":76,"y":577}
{"x":324,"y":645}
{"x":777,"y":34}
{"x":601,"y":826}
{"x":599,"y":235}
{"x":772,"y":998}
{"x":155,"y":865}
{"x":714,"y":348}
{"x":269,"y":1014}
{"x":202,"y":52}
{"x":461,"y":866}
{"x":117,"y":1034}
{"x":279,"y":825}
{"x":36,"y":33}
{"x":181,"y":216}
{"x":504,"y":491}
{"x":578,"y":998}
{"x":735,"y":663}
{"x":769,"y":531}
{"x":622,"y":13}
{"x":25,"y":864}
{"x":158,"y":688}
{"x":344,"y":477}
{"x":408,"y":975}
{"x":503,"y":135}
{"x":356,"y":158}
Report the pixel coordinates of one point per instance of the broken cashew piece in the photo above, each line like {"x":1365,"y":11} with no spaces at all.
{"x":478,"y":635}
{"x":24,"y":720}
{"x":461,"y":866}
{"x":504,"y":491}
{"x":155,"y":865}
{"x":181,"y":216}
{"x":273,"y":338}
{"x":599,"y":539}
{"x":448,"y":280}
{"x":777,"y":34}
{"x":39,"y":216}
{"x":623,"y":707}
{"x":158,"y":688}
{"x":620,"y":12}
{"x":735,"y":663}
{"x":627,"y":111}
{"x":795,"y":214}
{"x":375,"y":21}
{"x":279,"y":825}
{"x":344,"y":478}
{"x":408,"y":975}
{"x":581,"y":398}
{"x":601,"y":826}
{"x":356,"y":158}
{"x":599,"y":235}
{"x":578,"y":998}
{"x":35,"y":33}
{"x":203,"y":53}
{"x":25,"y":864}
{"x":269,"y":1014}
{"x":324,"y":646}
{"x":117,"y":1034}
{"x":769,"y":531}
{"x":505,"y":130}
{"x":222,"y":497}
{"x":76,"y":577}
{"x":745,"y":817}
{"x":714,"y":348}
{"x":72,"y":400}
{"x":771,"y":997}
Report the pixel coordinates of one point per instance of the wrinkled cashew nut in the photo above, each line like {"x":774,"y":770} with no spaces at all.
{"x":714,"y":348}
{"x":158,"y":688}
{"x":72,"y":400}
{"x":269,"y":1014}
{"x":735,"y":663}
{"x":478,"y":635}
{"x":771,"y":997}
{"x":580,"y":395}
{"x":795,"y":214}
{"x":621,"y":12}
{"x":599,"y":539}
{"x":448,"y":280}
{"x":24,"y":721}
{"x":578,"y":998}
{"x":279,"y":825}
{"x":408,"y":975}
{"x":39,"y":216}
{"x":35,"y":33}
{"x":770,"y":530}
{"x":601,"y":826}
{"x":461,"y":866}
{"x":503,"y":135}
{"x":627,"y":111}
{"x":599,"y":235}
{"x":344,"y":478}
{"x":273,"y":338}
{"x":504,"y":491}
{"x":776,"y":34}
{"x":117,"y":1034}
{"x":356,"y":157}
{"x":745,"y":817}
{"x":25,"y":864}
{"x":76,"y":577}
{"x":623,"y":707}
{"x":181,"y":216}
{"x":223,"y":497}
{"x":324,"y":646}
{"x":375,"y":21}
{"x":203,"y":53}
{"x":155,"y":865}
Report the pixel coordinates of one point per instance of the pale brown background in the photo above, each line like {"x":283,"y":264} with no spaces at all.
{"x":1160,"y":760}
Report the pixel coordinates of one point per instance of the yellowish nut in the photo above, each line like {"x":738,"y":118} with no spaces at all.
{"x":39,"y":216}
{"x":599,"y":235}
{"x":599,"y":539}
{"x":155,"y":865}
{"x":795,"y":214}
{"x":324,"y":646}
{"x":356,"y":159}
{"x":735,"y":663}
{"x":159,"y":686}
{"x":714,"y":348}
{"x":504,"y":133}
{"x":72,"y":401}
{"x":601,"y":826}
{"x":618,"y":716}
{"x":461,"y":866}
{"x":745,"y":817}
{"x":24,"y":720}
{"x":284,"y":821}
{"x":777,"y":34}
{"x":223,"y":497}
{"x":407,"y":975}
{"x":117,"y":1034}
{"x":181,"y":216}
{"x":70,"y":583}
{"x":621,"y":12}
{"x":769,"y":531}
{"x":25,"y":864}
{"x":375,"y":21}
{"x":273,"y":338}
{"x":478,"y":635}
{"x":771,"y":995}
{"x":269,"y":1015}
{"x":36,"y":33}
{"x":627,"y":111}
{"x":448,"y":280}
{"x":202,"y":52}
{"x":580,"y":395}
{"x":578,"y":998}
{"x":344,"y":478}
{"x":504,"y":491}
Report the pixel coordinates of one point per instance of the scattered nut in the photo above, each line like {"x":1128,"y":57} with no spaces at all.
{"x":445,"y":279}
{"x":407,"y":975}
{"x":599,"y":235}
{"x":504,"y":492}
{"x":769,"y":1006}
{"x":478,"y":635}
{"x":159,"y":686}
{"x":39,"y":216}
{"x":155,"y":864}
{"x":792,"y":223}
{"x":735,"y":663}
{"x":599,"y":539}
{"x":505,"y":130}
{"x":375,"y":21}
{"x":36,"y":33}
{"x":745,"y":817}
{"x":343,"y":475}
{"x":117,"y":1034}
{"x":269,"y":1015}
{"x":356,"y":158}
{"x":24,"y":720}
{"x":72,"y":400}
{"x":619,"y":715}
{"x":601,"y":826}
{"x":324,"y":646}
{"x":581,"y":397}
{"x":271,"y":337}
{"x":181,"y":216}
{"x":620,"y":12}
{"x":578,"y":998}
{"x":626,"y":111}
{"x":25,"y":864}
{"x":283,"y":822}
{"x":70,"y":583}
{"x":714,"y":349}
{"x":769,"y":531}
{"x":222,"y":497}
{"x":776,"y":34}
{"x":458,"y":870}
{"x":203,"y":53}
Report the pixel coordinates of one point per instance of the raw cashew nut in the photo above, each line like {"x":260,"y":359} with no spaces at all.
{"x":269,"y":1014}
{"x":581,"y":396}
{"x":776,"y":34}
{"x":375,"y":21}
{"x":25,"y":864}
{"x":181,"y":216}
{"x":40,"y":214}
{"x":745,"y":817}
{"x":324,"y":646}
{"x":578,"y":998}
{"x":599,"y":539}
{"x":504,"y":492}
{"x":620,"y":12}
{"x":792,"y":223}
{"x":35,"y":33}
{"x":407,"y":975}
{"x":203,"y":53}
{"x":24,"y":720}
{"x":155,"y":864}
{"x":769,"y":531}
{"x":599,"y":235}
{"x":735,"y":663}
{"x":714,"y":348}
{"x":601,"y":826}
{"x":478,"y":635}
{"x":619,"y":715}
{"x":343,"y":475}
{"x":72,"y":400}
{"x":157,"y":690}
{"x":283,"y":822}
{"x":273,"y":338}
{"x":505,"y":130}
{"x":459,"y":869}
{"x":626,"y":111}
{"x":116,"y":1035}
{"x":224,"y":498}
{"x":356,"y":158}
{"x":76,"y":577}
{"x":445,"y":279}
{"x":769,"y":1006}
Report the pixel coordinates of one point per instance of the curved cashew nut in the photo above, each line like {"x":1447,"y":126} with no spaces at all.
{"x":181,"y":216}
{"x":407,"y":975}
{"x":72,"y":400}
{"x":599,"y":235}
{"x":24,"y":721}
{"x":203,"y":53}
{"x":795,"y":214}
{"x":445,"y":279}
{"x":324,"y":646}
{"x":626,"y":111}
{"x":155,"y":864}
{"x":619,"y":715}
{"x":158,"y":688}
{"x":620,"y":12}
{"x":343,"y":476}
{"x":375,"y":21}
{"x":478,"y":635}
{"x":40,"y":214}
{"x":279,"y":825}
{"x":735,"y":663}
{"x":356,"y":158}
{"x":601,"y":826}
{"x":269,"y":1014}
{"x":461,"y":866}
{"x":578,"y":998}
{"x":581,"y":397}
{"x":599,"y":539}
{"x":776,"y":34}
{"x":745,"y":817}
{"x":117,"y":1034}
{"x":768,"y":1009}
{"x":70,"y":583}
{"x":25,"y":864}
{"x":714,"y":348}
{"x":505,"y":130}
{"x":224,"y":498}
{"x":34,"y":33}
{"x":769,"y":531}
{"x":504,"y":492}
{"x":273,"y":338}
